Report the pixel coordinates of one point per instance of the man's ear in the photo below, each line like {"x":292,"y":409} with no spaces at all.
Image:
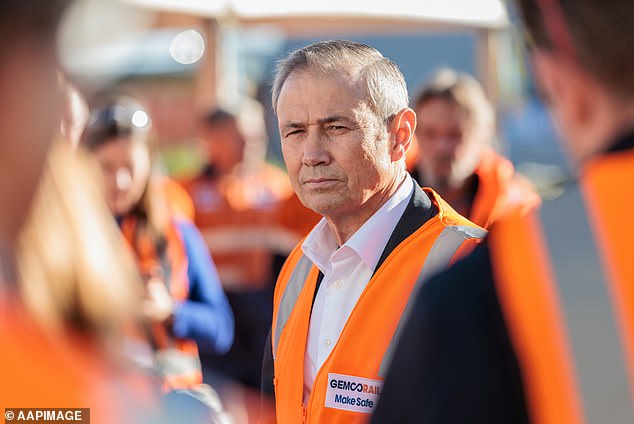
{"x":401,"y":133}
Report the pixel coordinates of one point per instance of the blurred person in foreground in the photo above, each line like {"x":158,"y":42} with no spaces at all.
{"x":345,"y":128}
{"x":241,"y":209}
{"x":543,"y":330}
{"x":59,"y":324}
{"x":79,"y":286}
{"x":455,"y":130}
{"x":184,"y":308}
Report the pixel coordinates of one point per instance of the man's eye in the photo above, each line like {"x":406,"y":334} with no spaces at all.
{"x":293,"y":132}
{"x":337,"y":128}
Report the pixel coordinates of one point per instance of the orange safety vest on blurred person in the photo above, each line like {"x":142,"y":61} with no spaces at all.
{"x":177,"y":359}
{"x":239,"y":218}
{"x":500,"y":191}
{"x":347,"y":386}
{"x":177,"y":198}
{"x":568,"y":297}
{"x":58,"y":369}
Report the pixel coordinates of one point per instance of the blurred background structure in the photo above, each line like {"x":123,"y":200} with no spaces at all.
{"x":185,"y":57}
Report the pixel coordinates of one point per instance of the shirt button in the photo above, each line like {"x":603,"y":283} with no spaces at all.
{"x":326,"y":342}
{"x":338,"y":284}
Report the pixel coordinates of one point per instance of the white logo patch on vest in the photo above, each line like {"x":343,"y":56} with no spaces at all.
{"x":352,"y":393}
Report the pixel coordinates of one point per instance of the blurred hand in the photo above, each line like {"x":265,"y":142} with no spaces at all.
{"x":158,"y":304}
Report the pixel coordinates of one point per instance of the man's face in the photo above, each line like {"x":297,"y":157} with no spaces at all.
{"x":335,"y":148}
{"x":449,"y":145}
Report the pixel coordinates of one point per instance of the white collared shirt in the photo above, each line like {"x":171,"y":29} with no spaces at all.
{"x":347,"y":270}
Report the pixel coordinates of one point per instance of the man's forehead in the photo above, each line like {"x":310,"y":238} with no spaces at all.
{"x":323,"y":94}
{"x":305,"y":77}
{"x":322,"y":113}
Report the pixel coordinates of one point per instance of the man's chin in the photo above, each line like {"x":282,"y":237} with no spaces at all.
{"x":319,"y":206}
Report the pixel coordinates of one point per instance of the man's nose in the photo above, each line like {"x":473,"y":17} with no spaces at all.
{"x":316,"y":150}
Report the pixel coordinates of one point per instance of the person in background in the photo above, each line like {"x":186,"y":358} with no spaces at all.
{"x":236,"y":199}
{"x":185,"y":309}
{"x":345,"y":128}
{"x":456,"y":126}
{"x":244,"y":210}
{"x":542,"y":329}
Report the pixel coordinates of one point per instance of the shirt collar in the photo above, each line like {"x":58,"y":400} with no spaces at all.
{"x":320,"y":245}
{"x":368,"y":242}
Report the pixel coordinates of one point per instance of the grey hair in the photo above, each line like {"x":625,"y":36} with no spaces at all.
{"x":384,"y":82}
{"x":462,"y":90}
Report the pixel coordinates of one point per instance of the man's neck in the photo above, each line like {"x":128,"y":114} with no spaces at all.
{"x":346,"y":225}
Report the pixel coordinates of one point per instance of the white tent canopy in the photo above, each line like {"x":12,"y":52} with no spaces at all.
{"x":300,"y":17}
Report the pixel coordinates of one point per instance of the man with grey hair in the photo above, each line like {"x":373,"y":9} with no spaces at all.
{"x":345,"y":128}
{"x":456,"y":126}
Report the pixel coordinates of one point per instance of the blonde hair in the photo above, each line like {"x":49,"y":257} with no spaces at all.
{"x":74,"y":270}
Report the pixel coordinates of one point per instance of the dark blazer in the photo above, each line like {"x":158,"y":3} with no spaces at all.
{"x":454,"y":362}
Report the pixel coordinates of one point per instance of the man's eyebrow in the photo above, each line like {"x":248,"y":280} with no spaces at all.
{"x":292,"y":124}
{"x":327,"y":120}
{"x":334,"y":118}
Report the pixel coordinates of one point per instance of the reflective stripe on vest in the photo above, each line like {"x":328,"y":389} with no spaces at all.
{"x":438,"y":258}
{"x":290,"y":296}
{"x":441,"y":253}
{"x":588,"y":311}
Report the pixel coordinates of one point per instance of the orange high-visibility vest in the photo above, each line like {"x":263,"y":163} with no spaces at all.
{"x":178,"y":200}
{"x":349,"y":382}
{"x":187,"y":371}
{"x":501,"y":191}
{"x":569,"y":306}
